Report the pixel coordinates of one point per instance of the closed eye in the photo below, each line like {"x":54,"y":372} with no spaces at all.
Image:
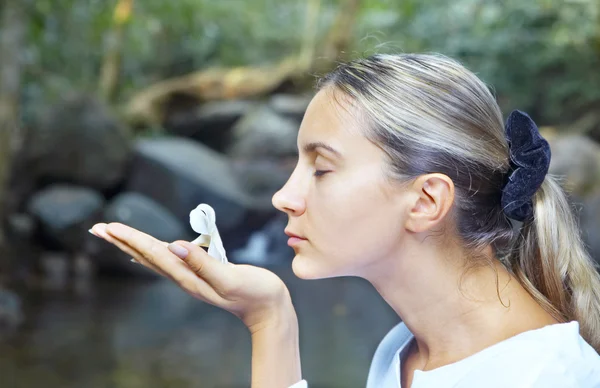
{"x":319,"y":173}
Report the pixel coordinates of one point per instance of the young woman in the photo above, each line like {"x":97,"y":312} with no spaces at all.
{"x":408,"y":177}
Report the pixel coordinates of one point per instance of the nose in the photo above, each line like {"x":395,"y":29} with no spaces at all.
{"x":289,"y":199}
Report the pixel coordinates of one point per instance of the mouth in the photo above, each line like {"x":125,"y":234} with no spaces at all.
{"x":294,"y":238}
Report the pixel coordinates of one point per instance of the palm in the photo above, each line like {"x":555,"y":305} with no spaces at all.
{"x":245,"y":290}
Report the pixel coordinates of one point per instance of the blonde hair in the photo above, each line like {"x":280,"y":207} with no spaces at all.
{"x":430,"y":114}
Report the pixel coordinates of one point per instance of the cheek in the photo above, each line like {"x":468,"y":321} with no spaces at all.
{"x":353,"y":224}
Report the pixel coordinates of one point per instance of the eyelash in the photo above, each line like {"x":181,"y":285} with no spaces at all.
{"x":320,"y":173}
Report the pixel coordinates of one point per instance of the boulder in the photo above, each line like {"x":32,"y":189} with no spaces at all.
{"x":64,"y":214}
{"x":263,"y":133}
{"x":291,"y":106}
{"x":588,"y":211}
{"x":139,"y":212}
{"x":79,"y":141}
{"x":11,"y":312}
{"x":179,"y":174}
{"x":267,"y":246}
{"x":577,"y":159}
{"x":264,"y":151}
{"x":20,"y":226}
{"x":210,"y":124}
{"x":263,"y":177}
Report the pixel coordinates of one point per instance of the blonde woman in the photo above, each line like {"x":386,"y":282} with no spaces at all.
{"x":409,"y":178}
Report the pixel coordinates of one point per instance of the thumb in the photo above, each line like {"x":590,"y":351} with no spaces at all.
{"x":205,"y":266}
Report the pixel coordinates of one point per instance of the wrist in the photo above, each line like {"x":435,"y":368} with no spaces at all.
{"x":275,"y":318}
{"x":275,"y":349}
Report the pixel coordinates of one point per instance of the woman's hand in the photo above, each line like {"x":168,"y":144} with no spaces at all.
{"x":255,"y":295}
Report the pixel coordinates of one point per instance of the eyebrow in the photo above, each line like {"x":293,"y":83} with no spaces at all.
{"x":312,"y":147}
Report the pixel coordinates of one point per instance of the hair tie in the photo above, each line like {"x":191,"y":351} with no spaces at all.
{"x":529,"y":163}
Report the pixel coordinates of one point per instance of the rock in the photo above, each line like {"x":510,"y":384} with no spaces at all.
{"x":20,"y":226}
{"x":55,"y":270}
{"x":262,"y":133}
{"x":255,"y":252}
{"x":210,"y":124}
{"x":264,"y":177}
{"x":577,"y":159}
{"x":267,"y":246}
{"x":291,"y":106}
{"x":11,"y":313}
{"x":139,"y":212}
{"x":24,"y":251}
{"x":179,"y":174}
{"x":65,"y":213}
{"x":264,"y":151}
{"x":589,"y":222}
{"x":81,"y":142}
{"x":82,"y":274}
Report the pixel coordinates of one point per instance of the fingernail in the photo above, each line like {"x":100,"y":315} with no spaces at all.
{"x":178,"y":250}
{"x":99,"y":230}
{"x":134,"y":261}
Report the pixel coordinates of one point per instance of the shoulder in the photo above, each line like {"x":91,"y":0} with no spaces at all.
{"x":555,"y":356}
{"x":544,"y":368}
{"x":566,"y":361}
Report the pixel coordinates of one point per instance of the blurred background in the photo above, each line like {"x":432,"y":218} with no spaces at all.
{"x":137,"y":111}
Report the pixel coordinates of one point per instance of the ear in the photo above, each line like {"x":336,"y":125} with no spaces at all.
{"x":434,"y":199}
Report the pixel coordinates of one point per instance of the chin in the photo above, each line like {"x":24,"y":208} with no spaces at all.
{"x":309,"y":269}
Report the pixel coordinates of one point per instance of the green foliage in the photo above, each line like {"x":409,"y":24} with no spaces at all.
{"x":541,"y":56}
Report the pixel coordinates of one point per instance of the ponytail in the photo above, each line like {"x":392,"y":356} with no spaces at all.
{"x":552,"y":263}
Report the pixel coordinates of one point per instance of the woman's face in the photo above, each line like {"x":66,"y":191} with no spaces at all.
{"x":337,"y":197}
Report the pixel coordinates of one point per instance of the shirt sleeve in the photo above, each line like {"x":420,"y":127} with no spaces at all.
{"x":300,"y":384}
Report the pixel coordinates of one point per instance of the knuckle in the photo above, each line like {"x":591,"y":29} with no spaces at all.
{"x":195,"y":289}
{"x":151,"y":250}
{"x":155,"y":248}
{"x":197,"y":267}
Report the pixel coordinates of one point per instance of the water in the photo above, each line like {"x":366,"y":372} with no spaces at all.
{"x":122,"y":333}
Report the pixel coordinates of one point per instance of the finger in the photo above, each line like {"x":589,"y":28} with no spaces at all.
{"x":214,"y":272}
{"x":99,"y":231}
{"x":155,"y":253}
{"x":143,"y":243}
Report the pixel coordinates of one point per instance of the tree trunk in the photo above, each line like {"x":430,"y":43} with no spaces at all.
{"x":340,"y":34}
{"x":12,"y":35}
{"x":111,"y":65}
{"x":307,"y":50}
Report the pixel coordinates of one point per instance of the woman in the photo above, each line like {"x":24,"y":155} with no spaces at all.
{"x":408,"y":178}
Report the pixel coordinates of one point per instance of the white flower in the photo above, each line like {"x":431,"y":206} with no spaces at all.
{"x":202,"y":220}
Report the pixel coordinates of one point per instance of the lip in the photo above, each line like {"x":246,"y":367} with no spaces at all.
{"x":292,"y":234}
{"x":295,"y":241}
{"x":294,"y":238}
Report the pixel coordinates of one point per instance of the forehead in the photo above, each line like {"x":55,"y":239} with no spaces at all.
{"x":332,"y":118}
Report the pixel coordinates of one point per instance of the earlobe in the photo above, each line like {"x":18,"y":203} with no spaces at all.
{"x":434,"y":198}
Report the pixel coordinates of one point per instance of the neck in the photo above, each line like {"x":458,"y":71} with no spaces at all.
{"x":456,"y":311}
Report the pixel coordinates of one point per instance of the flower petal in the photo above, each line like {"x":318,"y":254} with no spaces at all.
{"x":200,"y":220}
{"x":203,"y":221}
{"x":203,"y":240}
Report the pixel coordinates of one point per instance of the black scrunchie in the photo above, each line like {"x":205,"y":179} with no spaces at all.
{"x":529,"y":163}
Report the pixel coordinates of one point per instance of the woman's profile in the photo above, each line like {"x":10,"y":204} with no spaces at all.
{"x":409,"y":177}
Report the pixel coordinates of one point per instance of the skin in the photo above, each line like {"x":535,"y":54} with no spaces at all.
{"x":356,"y":222}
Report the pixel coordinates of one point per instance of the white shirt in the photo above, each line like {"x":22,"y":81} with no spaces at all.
{"x":555,"y":356}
